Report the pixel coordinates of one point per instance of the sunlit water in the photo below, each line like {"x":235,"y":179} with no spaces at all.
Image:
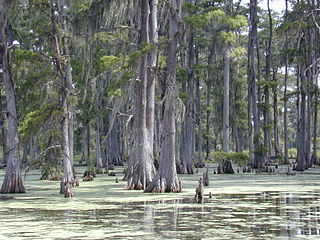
{"x":244,"y":206}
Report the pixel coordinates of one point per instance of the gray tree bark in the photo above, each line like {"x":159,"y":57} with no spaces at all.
{"x":252,"y":90}
{"x":166,"y":179}
{"x":4,"y":140}
{"x":285,"y":98}
{"x":12,"y":182}
{"x":226,"y":100}
{"x":141,"y":169}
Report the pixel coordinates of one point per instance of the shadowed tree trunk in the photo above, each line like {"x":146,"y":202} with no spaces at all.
{"x":4,"y":141}
{"x":266,"y":112}
{"x":188,"y":133}
{"x":253,"y":114}
{"x":285,"y":98}
{"x":12,"y":182}
{"x":200,"y":163}
{"x":141,"y":169}
{"x":166,"y":179}
{"x":301,"y":159}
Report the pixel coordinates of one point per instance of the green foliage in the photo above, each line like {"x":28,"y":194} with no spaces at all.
{"x":235,"y":157}
{"x":229,"y":38}
{"x":135,"y":56}
{"x":34,"y":120}
{"x":48,"y":171}
{"x":182,"y":74}
{"x":238,"y":52}
{"x":108,"y":62}
{"x":292,"y":153}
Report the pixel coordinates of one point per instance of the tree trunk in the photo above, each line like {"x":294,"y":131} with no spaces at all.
{"x":62,"y":71}
{"x":188,"y":135}
{"x":285,"y":98}
{"x":252,"y":93}
{"x":141,"y":169}
{"x":275,"y":117}
{"x":113,"y":145}
{"x":151,"y":72}
{"x":12,"y":182}
{"x":266,"y":112}
{"x":98,"y":163}
{"x":301,"y":135}
{"x":200,"y":163}
{"x":4,"y":140}
{"x":226,"y":100}
{"x":166,"y":179}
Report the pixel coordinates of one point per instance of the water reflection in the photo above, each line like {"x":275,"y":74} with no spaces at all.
{"x":240,"y":216}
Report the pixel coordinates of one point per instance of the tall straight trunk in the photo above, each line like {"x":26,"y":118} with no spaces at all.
{"x":113,"y":144}
{"x":208,"y":104}
{"x":152,"y":75}
{"x":141,"y":169}
{"x":275,"y":116}
{"x":226,"y":100}
{"x":252,"y":93}
{"x":188,"y":147}
{"x":12,"y":182}
{"x":68,"y":75}
{"x":315,"y":128}
{"x":200,"y":163}
{"x":266,"y":112}
{"x":86,"y":143}
{"x":285,"y":98}
{"x":98,"y":163}
{"x":4,"y":140}
{"x":166,"y":179}
{"x":62,"y":71}
{"x":301,"y":135}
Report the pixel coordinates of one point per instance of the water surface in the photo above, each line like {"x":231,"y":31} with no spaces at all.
{"x":244,"y":206}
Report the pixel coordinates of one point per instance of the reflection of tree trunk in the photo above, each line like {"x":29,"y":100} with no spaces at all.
{"x":148,"y":219}
{"x":12,"y":182}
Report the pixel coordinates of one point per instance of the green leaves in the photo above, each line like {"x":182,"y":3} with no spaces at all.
{"x":108,"y":62}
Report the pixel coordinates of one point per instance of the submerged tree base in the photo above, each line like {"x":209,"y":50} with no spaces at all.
{"x":162,"y":184}
{"x":66,"y":189}
{"x":12,"y":183}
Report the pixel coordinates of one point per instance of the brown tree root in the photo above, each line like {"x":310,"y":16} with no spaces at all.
{"x":13,"y":183}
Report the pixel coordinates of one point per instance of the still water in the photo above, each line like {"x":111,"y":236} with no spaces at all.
{"x":244,"y":206}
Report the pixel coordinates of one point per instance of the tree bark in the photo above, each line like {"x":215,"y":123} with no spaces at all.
{"x":252,"y":93}
{"x":188,"y":135}
{"x":12,"y":182}
{"x":62,"y":72}
{"x":4,"y":140}
{"x":166,"y":179}
{"x":141,"y":169}
{"x":226,"y":100}
{"x":285,"y":98}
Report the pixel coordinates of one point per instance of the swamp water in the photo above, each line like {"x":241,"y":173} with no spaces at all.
{"x":244,"y":206}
